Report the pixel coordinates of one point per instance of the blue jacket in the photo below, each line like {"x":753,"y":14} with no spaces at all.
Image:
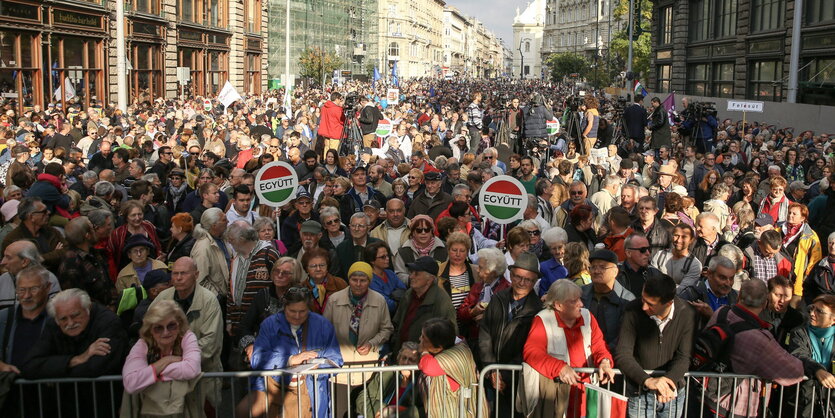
{"x":551,"y":271}
{"x":275,"y":344}
{"x":706,"y":127}
{"x":387,"y":289}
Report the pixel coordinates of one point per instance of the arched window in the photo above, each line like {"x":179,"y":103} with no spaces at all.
{"x":527,"y":46}
{"x":394,"y":49}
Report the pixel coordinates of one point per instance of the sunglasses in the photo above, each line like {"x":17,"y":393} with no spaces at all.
{"x":423,"y":230}
{"x":332,"y":222}
{"x":535,"y":232}
{"x":573,"y":193}
{"x":171,"y":327}
{"x":640,"y":249}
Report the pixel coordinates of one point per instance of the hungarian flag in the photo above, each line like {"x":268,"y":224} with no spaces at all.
{"x":639,"y":89}
{"x":602,"y":403}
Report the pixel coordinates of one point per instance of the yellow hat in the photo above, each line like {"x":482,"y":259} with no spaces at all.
{"x":361,"y":267}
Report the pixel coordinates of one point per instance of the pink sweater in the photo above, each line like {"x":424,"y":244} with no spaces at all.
{"x":137,"y":374}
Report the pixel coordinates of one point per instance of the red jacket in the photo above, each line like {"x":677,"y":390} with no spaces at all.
{"x":332,"y":121}
{"x":470,"y":301}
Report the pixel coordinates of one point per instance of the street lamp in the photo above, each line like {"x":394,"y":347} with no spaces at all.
{"x":521,"y":59}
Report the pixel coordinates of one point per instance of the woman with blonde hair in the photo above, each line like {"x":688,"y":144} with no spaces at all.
{"x":415,"y":181}
{"x":577,"y":263}
{"x":591,"y":122}
{"x":162,"y":368}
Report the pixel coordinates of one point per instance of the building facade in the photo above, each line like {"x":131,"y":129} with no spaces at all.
{"x":411,"y":35}
{"x":527,"y":40}
{"x":456,"y":40}
{"x":742,"y":49}
{"x":211,"y":40}
{"x":347,"y":28}
{"x":579,"y":26}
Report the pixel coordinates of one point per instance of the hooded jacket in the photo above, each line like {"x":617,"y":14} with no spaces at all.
{"x":332,"y":121}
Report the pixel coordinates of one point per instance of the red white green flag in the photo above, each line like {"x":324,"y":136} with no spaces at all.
{"x":602,"y":403}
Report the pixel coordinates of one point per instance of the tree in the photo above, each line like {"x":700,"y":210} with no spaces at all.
{"x":313,"y":63}
{"x":566,"y":63}
{"x":641,"y":48}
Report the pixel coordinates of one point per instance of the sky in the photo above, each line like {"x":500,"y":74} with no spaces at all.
{"x":497,"y":15}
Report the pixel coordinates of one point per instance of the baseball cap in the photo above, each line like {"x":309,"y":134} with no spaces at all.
{"x":303,"y":194}
{"x":9,"y":209}
{"x":425,"y":263}
{"x":432,"y":176}
{"x":764,"y":219}
{"x":311,"y":227}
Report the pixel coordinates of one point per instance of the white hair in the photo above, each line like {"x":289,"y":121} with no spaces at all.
{"x":66,"y":296}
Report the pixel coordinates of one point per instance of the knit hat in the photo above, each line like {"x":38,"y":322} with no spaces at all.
{"x":361,"y":267}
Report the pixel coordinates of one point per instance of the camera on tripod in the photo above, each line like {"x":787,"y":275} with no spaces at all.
{"x":352,"y":100}
{"x":573,"y":103}
{"x":698,"y":110}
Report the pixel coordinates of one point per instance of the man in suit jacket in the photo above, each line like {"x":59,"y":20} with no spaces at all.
{"x":635,"y":118}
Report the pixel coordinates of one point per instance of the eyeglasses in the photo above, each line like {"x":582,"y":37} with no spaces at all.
{"x":42,"y":211}
{"x":601,"y":268}
{"x":171,"y":327}
{"x":194,"y":153}
{"x":317,"y":266}
{"x":168,"y":153}
{"x":522,"y":279}
{"x":423,"y":230}
{"x":332,"y":222}
{"x":284,"y":273}
{"x":360,"y":226}
{"x":412,"y":177}
{"x":535,"y":232}
{"x":299,"y":291}
{"x":488,"y":157}
{"x":819,"y":311}
{"x":137,"y":250}
{"x":576,"y":193}
{"x":176,"y":178}
{"x":640,"y":249}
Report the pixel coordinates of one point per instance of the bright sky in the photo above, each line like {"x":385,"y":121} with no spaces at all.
{"x":497,"y":15}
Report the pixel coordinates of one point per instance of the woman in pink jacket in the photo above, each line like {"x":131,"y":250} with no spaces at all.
{"x":162,"y":366}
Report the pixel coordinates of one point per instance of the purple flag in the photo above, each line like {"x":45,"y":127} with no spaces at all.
{"x":670,"y":105}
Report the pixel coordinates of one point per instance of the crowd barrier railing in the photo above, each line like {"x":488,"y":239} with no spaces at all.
{"x":369,"y":391}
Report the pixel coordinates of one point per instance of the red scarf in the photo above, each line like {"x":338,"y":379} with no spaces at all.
{"x":791,"y":231}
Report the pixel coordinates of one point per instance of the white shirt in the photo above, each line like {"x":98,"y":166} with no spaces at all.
{"x":662,"y":323}
{"x":233,"y":216}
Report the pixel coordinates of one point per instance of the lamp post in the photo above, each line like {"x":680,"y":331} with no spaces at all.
{"x":121,"y":59}
{"x":521,"y":59}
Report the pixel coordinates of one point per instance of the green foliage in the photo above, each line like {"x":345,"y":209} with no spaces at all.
{"x":641,"y":48}
{"x":566,"y":63}
{"x":313,"y":62}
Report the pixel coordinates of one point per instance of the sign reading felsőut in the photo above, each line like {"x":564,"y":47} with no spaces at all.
{"x":503,"y":199}
{"x":745,"y":106}
{"x":276,"y":183}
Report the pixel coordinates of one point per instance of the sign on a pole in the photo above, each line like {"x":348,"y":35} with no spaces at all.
{"x":207,"y":105}
{"x":503,"y":199}
{"x":183,"y":75}
{"x":744,"y":106}
{"x":276,"y":183}
{"x":553,"y":126}
{"x":393,"y":96}
{"x":384,"y":128}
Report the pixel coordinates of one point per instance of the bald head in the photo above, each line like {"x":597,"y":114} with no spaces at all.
{"x":107,"y":175}
{"x":78,"y":231}
{"x":184,"y":276}
{"x":19,"y":255}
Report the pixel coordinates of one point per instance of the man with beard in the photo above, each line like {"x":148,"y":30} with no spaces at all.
{"x":377,"y":176}
{"x":526,"y":177}
{"x":307,"y":167}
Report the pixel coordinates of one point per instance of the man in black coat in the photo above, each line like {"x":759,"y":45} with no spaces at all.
{"x":504,"y":328}
{"x":83,"y":340}
{"x":535,"y":116}
{"x":370,"y":116}
{"x":635,"y":119}
{"x":164,"y":164}
{"x":260,"y":128}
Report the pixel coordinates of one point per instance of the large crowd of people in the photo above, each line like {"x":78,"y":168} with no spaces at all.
{"x":134,"y":244}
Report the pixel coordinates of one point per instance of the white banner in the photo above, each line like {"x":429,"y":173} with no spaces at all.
{"x":228,"y":95}
{"x":740,"y":106}
{"x":68,"y":90}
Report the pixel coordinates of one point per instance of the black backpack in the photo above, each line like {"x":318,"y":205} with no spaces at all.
{"x":711,"y":353}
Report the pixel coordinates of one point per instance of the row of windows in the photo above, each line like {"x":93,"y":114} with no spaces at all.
{"x":716,"y":19}
{"x":765,"y":78}
{"x":583,"y":12}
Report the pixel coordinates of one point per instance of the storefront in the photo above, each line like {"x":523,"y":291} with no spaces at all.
{"x":20,"y":54}
{"x":146,"y":57}
{"x":76,"y":57}
{"x":206,"y":54}
{"x":252,"y":65}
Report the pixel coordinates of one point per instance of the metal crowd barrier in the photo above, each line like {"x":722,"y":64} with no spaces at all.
{"x":68,"y":397}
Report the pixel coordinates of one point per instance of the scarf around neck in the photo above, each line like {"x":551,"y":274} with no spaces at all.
{"x":424,"y":251}
{"x":821,"y":340}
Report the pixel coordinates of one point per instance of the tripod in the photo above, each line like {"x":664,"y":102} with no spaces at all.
{"x":351,"y":136}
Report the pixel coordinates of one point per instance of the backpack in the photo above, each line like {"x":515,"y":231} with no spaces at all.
{"x":711,"y":353}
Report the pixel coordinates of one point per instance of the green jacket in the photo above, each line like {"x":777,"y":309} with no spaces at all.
{"x":380,"y":390}
{"x":436,"y":304}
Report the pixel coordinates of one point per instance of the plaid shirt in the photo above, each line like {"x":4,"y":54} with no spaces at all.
{"x":764,"y":267}
{"x":87,"y":271}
